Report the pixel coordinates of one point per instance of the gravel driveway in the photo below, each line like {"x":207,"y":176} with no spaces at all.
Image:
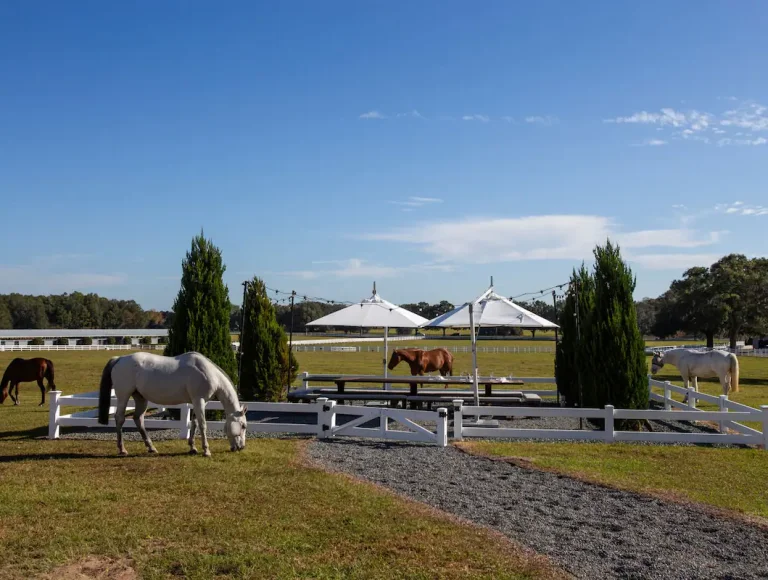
{"x":589,"y":530}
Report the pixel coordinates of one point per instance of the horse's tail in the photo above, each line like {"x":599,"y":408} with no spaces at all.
{"x":734,"y":373}
{"x":49,"y":373}
{"x":105,"y":390}
{"x":4,"y":384}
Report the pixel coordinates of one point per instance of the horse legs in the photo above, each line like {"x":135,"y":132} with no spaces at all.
{"x":138,"y":418}
{"x":122,"y":402}
{"x":10,"y":392}
{"x":686,"y":384}
{"x":42,"y":390}
{"x":191,"y":440}
{"x":199,"y":405}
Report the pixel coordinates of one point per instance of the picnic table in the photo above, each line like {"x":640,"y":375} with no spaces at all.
{"x":412,"y":395}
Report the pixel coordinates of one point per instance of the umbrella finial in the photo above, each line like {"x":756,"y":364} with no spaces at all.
{"x":374,"y":288}
{"x":491,"y":281}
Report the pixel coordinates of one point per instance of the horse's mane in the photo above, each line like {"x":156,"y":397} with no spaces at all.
{"x":221,"y":370}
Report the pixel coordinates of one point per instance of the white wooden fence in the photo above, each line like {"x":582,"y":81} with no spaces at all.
{"x":55,"y":347}
{"x":728,"y":417}
{"x":324,"y":425}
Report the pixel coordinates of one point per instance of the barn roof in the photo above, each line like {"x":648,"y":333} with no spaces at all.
{"x":80,"y":332}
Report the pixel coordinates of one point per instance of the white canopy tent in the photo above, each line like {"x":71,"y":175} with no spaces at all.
{"x":373,"y":312}
{"x":489,"y":309}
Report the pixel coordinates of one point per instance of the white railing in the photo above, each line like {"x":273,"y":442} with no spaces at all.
{"x":346,"y":340}
{"x":455,"y":349}
{"x":729,"y":419}
{"x":324,"y":425}
{"x":64,"y":347}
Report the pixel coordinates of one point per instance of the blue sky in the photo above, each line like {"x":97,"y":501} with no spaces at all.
{"x":424,"y":145}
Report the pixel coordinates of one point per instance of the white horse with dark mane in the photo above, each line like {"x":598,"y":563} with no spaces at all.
{"x":188,"y":378}
{"x":705,"y":364}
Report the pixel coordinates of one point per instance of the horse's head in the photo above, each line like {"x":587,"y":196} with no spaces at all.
{"x":3,"y":395}
{"x":395,"y":359}
{"x":236,"y":427}
{"x":657,"y":362}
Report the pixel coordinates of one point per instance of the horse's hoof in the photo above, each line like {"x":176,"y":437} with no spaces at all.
{"x":152,"y":450}
{"x":193,"y":451}
{"x":207,"y":453}
{"x":122,"y":453}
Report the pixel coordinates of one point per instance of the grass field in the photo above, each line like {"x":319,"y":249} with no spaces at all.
{"x":266,"y":512}
{"x":261,"y":513}
{"x":732,"y":479}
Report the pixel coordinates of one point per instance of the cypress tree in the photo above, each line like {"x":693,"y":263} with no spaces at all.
{"x":617,"y":348}
{"x":571,"y":353}
{"x":264,"y":360}
{"x":201,"y":309}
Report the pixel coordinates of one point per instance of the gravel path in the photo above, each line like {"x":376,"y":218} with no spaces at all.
{"x":589,"y":530}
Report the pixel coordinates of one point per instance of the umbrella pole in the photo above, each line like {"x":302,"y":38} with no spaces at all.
{"x":474,"y":354}
{"x":386,"y":336}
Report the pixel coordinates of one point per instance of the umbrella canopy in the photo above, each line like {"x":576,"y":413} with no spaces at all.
{"x":488,"y":309}
{"x":373,"y":312}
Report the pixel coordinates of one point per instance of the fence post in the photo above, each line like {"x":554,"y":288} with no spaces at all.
{"x":691,"y":398}
{"x":764,"y":408}
{"x":457,"y":419}
{"x":723,"y":409}
{"x":326,"y":418}
{"x":184,"y":414}
{"x":383,"y":423}
{"x":442,"y":427}
{"x":667,"y":405}
{"x":609,"y":432}
{"x":53,"y":415}
{"x":305,"y":380}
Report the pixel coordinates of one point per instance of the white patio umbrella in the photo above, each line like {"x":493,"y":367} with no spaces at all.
{"x":488,"y":309}
{"x":373,"y":312}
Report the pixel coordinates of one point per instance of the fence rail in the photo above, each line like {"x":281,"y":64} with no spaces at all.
{"x":64,"y":347}
{"x":455,"y":349}
{"x":324,"y":425}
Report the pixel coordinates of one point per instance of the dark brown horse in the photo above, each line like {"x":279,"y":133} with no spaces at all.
{"x":423,"y":361}
{"x":23,"y":371}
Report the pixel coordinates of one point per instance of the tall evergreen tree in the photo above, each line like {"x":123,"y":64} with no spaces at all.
{"x":201,"y":309}
{"x":264,"y":361}
{"x":617,"y":349}
{"x":571,"y":353}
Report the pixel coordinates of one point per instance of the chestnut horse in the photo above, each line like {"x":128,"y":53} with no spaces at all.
{"x":26,"y":370}
{"x":423,"y":361}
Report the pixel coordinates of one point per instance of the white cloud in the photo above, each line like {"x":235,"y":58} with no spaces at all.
{"x":415,"y":114}
{"x":695,"y":125}
{"x":508,"y":119}
{"x":39,"y":279}
{"x":372,"y":115}
{"x":481,"y":118}
{"x":546,"y":237}
{"x":665,"y":117}
{"x":357,"y":268}
{"x":740,"y":208}
{"x":415,"y":201}
{"x":547,"y":120}
{"x":751,"y":116}
{"x":653,"y":142}
{"x":673,"y":261}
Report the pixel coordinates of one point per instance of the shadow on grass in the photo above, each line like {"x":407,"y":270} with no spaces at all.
{"x":34,"y":433}
{"x":43,"y":456}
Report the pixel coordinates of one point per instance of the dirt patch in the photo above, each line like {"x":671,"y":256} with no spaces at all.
{"x":93,"y":567}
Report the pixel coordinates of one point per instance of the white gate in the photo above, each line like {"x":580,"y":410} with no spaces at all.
{"x":403,"y":417}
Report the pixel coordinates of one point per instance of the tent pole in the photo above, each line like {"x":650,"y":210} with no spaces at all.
{"x":474,"y":354}
{"x":386,"y":336}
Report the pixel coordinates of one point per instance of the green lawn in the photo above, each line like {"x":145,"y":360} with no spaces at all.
{"x":263,"y":513}
{"x":732,"y":479}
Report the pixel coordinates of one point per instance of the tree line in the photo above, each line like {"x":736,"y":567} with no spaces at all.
{"x":76,"y":310}
{"x":728,"y":298}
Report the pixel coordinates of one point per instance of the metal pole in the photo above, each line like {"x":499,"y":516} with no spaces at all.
{"x":578,"y":342}
{"x":290,"y":344}
{"x":240,"y":346}
{"x":554,"y":304}
{"x":474,"y":354}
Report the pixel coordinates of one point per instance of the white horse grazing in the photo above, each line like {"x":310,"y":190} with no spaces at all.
{"x":187,"y":378}
{"x":706,"y":364}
